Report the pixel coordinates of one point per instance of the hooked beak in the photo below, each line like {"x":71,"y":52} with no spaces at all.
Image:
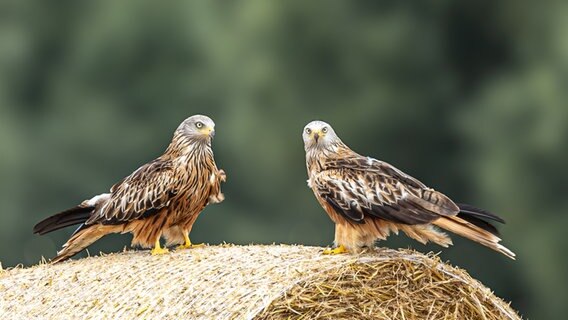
{"x":316,"y":136}
{"x":209,"y":131}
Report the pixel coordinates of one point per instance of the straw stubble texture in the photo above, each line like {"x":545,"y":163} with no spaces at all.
{"x":246,"y":282}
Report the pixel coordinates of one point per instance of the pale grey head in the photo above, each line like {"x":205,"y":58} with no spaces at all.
{"x":319,"y":135}
{"x":197,"y":127}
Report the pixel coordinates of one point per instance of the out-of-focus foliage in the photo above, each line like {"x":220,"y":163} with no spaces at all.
{"x":470,"y":97}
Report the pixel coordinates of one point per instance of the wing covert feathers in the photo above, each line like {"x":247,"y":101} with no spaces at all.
{"x":143,"y":193}
{"x":362,"y":190}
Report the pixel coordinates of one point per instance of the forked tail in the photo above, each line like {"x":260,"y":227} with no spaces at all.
{"x":82,"y":239}
{"x":472,"y":223}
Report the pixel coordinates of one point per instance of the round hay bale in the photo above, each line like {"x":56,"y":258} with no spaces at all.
{"x":249,"y":282}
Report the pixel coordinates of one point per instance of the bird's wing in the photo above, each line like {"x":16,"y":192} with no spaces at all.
{"x":141,"y":194}
{"x":357,"y":188}
{"x":359,"y":163}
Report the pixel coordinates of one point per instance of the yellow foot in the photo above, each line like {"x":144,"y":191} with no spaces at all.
{"x":159,"y":250}
{"x":338,"y":250}
{"x":189,"y":246}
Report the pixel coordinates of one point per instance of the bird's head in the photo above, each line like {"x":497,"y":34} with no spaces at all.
{"x":319,"y":135}
{"x":197,"y":127}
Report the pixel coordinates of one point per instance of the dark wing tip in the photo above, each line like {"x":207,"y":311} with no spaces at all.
{"x":479,"y":213}
{"x":483,"y":224}
{"x":63,"y":219}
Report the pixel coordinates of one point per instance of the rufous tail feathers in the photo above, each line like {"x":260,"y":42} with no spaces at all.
{"x":82,"y":239}
{"x":468,"y":230}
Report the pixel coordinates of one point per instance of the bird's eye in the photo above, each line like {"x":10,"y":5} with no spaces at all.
{"x":199,"y":125}
{"x":308,"y":130}
{"x":324,"y":130}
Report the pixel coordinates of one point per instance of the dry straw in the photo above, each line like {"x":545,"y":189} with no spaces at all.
{"x":249,"y":282}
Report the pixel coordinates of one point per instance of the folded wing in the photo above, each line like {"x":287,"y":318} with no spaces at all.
{"x":360,"y":187}
{"x":140,"y":195}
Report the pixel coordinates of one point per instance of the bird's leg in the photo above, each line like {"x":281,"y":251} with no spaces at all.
{"x":157,"y":249}
{"x":339,"y":250}
{"x":188,"y":244}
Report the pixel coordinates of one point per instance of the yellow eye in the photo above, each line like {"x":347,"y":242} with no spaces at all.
{"x":308,"y":130}
{"x":199,"y":125}
{"x":324,"y":130}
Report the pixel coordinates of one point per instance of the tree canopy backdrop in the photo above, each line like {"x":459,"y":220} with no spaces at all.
{"x":468,"y":97}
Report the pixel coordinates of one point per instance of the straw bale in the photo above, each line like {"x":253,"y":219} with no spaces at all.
{"x":248,"y":282}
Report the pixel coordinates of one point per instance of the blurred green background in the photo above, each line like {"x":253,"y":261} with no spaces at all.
{"x":470,"y":97}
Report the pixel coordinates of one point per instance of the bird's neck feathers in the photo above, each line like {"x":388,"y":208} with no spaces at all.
{"x":183,"y":145}
{"x":318,"y":156}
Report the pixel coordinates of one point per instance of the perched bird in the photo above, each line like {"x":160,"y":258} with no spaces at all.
{"x":367,"y":199}
{"x":161,"y":198}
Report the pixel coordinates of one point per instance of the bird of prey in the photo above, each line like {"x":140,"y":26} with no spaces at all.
{"x":160,"y":199}
{"x":367,"y":199}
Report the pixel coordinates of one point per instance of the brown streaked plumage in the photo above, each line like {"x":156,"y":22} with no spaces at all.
{"x":161,"y":198}
{"x":367,"y":199}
